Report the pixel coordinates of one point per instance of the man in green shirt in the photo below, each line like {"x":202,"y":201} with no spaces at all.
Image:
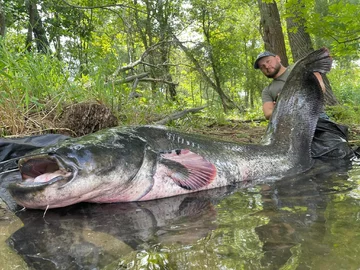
{"x":330,"y":139}
{"x":270,"y":65}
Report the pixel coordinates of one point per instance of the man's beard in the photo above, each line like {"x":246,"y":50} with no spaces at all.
{"x":276,"y":71}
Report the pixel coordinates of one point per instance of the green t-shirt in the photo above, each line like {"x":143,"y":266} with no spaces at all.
{"x":271,"y":92}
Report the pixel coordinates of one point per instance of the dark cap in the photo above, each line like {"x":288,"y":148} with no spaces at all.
{"x":262,"y":55}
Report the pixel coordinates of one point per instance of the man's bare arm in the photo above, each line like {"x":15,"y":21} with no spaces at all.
{"x":268,"y":108}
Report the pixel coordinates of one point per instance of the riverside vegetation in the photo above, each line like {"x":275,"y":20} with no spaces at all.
{"x":84,"y":66}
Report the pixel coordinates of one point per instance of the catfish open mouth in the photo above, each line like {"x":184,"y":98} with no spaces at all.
{"x":42,"y":170}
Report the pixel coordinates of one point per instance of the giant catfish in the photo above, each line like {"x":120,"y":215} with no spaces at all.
{"x":141,"y":163}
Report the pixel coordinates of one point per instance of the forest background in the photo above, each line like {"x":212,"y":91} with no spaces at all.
{"x":74,"y":67}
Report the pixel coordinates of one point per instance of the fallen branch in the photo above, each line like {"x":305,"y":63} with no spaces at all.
{"x":128,"y":79}
{"x":158,"y":81}
{"x":141,"y":77}
{"x":135,"y":63}
{"x":177,"y":115}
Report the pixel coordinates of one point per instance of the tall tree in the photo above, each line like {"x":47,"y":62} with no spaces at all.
{"x":227,"y":103}
{"x":271,"y":29}
{"x":2,"y":19}
{"x":299,"y":38}
{"x":153,"y":25}
{"x":213,"y":22}
{"x":36,"y":28}
{"x":300,"y":41}
{"x":163,"y":16}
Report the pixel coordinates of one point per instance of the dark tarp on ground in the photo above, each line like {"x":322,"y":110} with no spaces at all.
{"x":11,"y":149}
{"x":331,"y":141}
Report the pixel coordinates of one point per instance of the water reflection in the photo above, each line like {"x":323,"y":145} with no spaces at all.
{"x":91,"y":236}
{"x":307,"y":222}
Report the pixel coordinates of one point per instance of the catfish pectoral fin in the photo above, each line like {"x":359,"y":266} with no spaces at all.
{"x":187,"y":169}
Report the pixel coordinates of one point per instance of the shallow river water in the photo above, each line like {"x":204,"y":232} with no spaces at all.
{"x":311,"y":221}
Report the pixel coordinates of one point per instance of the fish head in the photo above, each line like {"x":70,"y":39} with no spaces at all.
{"x":77,"y":170}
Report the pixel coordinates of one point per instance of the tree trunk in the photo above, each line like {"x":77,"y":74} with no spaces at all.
{"x":29,"y":35}
{"x":300,"y":44}
{"x":164,"y":49}
{"x":271,"y":30}
{"x":36,"y":27}
{"x":2,"y":20}
{"x":299,"y":39}
{"x":226,"y":101}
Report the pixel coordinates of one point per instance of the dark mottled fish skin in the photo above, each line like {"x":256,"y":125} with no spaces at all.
{"x":298,"y":106}
{"x":149,"y":162}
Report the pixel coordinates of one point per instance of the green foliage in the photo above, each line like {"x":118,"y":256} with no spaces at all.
{"x":90,"y":41}
{"x":345,"y":82}
{"x":344,"y":114}
{"x":31,"y":78}
{"x":339,"y":26}
{"x":229,"y":46}
{"x":331,"y":24}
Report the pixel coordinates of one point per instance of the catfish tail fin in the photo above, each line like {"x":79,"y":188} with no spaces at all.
{"x":318,"y":61}
{"x":293,"y":122}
